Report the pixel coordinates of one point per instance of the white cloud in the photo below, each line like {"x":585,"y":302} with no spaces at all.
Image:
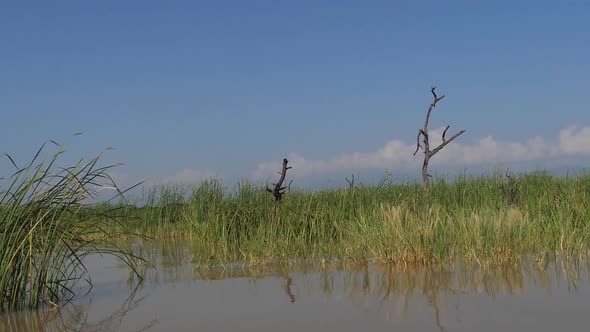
{"x":398,"y":155}
{"x":573,"y":141}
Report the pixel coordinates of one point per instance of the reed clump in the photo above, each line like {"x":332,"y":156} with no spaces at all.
{"x":470,"y":218}
{"x":47,"y":228}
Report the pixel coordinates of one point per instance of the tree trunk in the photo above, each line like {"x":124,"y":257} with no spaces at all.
{"x":425,"y":176}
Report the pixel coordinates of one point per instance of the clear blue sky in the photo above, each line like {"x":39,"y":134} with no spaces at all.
{"x":222,"y":86}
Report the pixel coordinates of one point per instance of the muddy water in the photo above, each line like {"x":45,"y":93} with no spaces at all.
{"x":318,"y":296}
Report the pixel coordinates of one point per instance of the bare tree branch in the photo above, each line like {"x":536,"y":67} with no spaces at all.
{"x":445,"y":142}
{"x":350,"y":182}
{"x":426,"y":138}
{"x":445,"y":134}
{"x":418,"y":146}
{"x":432,"y":106}
{"x":279,"y":190}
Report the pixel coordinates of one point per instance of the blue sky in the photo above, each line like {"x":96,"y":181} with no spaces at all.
{"x":189,"y":89}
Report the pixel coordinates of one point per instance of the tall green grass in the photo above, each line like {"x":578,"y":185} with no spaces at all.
{"x":46,"y":228}
{"x":474,"y":219}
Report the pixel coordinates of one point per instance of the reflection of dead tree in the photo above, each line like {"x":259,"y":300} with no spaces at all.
{"x":432,"y":296}
{"x":278,"y":189}
{"x":426,"y":139}
{"x":288,"y":290}
{"x":366,"y":280}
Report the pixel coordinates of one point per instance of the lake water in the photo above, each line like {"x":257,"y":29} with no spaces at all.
{"x":318,"y":296}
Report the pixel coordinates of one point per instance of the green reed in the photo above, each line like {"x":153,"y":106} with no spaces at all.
{"x":474,"y":219}
{"x":47,"y":228}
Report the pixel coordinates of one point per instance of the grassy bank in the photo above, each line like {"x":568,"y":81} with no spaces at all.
{"x":478,"y":220}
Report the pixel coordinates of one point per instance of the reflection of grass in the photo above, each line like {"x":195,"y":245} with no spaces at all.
{"x":383,"y":281}
{"x":74,"y":318}
{"x":46,"y":231}
{"x":383,"y":288}
{"x":471,"y":219}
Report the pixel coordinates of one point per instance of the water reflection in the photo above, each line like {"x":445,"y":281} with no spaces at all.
{"x":386,"y":281}
{"x":179,"y":294}
{"x":289,"y":290}
{"x":74,"y":317}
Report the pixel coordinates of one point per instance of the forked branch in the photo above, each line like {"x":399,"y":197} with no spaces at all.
{"x":423,"y":133}
{"x":350,"y":181}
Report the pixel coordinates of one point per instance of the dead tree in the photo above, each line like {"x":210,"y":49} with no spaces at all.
{"x":278,"y":189}
{"x":511,"y":188}
{"x":350,"y":182}
{"x":428,"y":153}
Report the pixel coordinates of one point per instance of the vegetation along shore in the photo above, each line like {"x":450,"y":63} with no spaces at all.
{"x":481,"y":220}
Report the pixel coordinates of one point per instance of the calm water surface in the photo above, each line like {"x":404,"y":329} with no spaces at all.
{"x":179,"y":296}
